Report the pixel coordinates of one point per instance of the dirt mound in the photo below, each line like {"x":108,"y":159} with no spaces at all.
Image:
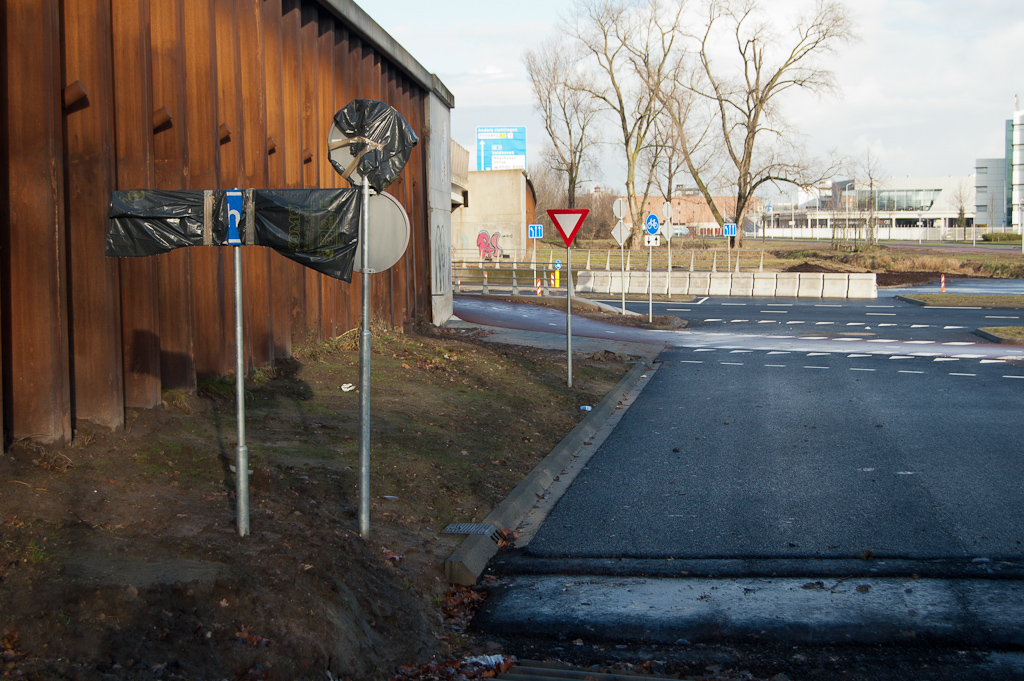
{"x":811,"y":267}
{"x":907,"y":278}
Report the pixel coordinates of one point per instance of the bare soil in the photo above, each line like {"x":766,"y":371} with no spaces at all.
{"x":884,"y":279}
{"x":120,"y":557}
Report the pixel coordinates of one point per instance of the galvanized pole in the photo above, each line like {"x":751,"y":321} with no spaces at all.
{"x":568,"y":313}
{"x":364,"y":372}
{"x":622,"y":266}
{"x":650,"y":285}
{"x":241,"y":452}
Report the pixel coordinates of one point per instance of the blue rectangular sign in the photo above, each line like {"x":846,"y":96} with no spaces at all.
{"x":536,"y":231}
{"x":729,"y":229}
{"x":234,"y":197}
{"x":501,"y":148}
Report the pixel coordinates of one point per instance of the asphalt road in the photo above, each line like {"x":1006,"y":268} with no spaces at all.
{"x":765,"y":464}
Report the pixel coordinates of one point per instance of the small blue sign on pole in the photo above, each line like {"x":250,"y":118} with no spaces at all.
{"x":729,"y":229}
{"x":651,"y":224}
{"x":234,"y":197}
{"x":558,"y":264}
{"x":536,"y":231}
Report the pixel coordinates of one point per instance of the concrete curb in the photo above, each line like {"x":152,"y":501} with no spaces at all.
{"x":992,"y":337}
{"x":468,"y":561}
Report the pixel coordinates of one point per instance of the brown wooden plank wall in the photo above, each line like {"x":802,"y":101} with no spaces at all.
{"x":171,"y":94}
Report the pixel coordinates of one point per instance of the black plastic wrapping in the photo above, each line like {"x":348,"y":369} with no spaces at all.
{"x":380,"y":123}
{"x":150,"y":221}
{"x":318,"y":228}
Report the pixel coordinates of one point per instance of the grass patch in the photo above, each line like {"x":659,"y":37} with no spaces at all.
{"x":1009,"y":302}
{"x":1012,"y":334}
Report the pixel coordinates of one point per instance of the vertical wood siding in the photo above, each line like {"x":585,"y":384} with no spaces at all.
{"x":171,"y":94}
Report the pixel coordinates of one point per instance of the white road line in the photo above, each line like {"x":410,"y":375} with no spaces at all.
{"x":738,"y":321}
{"x":713,"y":320}
{"x":796,"y":322}
{"x":953,"y":327}
{"x":779,"y":304}
{"x":822,"y":323}
{"x":956,"y":374}
{"x":959,"y":343}
{"x":774,"y":311}
{"x":855,"y":324}
{"x":995,"y":316}
{"x":807,"y":367}
{"x":847,"y":340}
{"x":701,"y":301}
{"x":882,"y":340}
{"x":825,"y":305}
{"x":1011,"y":376}
{"x":926,"y":354}
{"x":880,"y":314}
{"x":691,"y":361}
{"x":858,"y":355}
{"x":859,"y":369}
{"x":742,"y":352}
{"x":901,"y":357}
{"x":705,"y":349}
{"x":677,"y":309}
{"x":968,"y":356}
{"x":946,"y":359}
{"x":779,"y":352}
{"x":920,"y":342}
{"x":880,"y":325}
{"x":879,"y":306}
{"x":767,"y":321}
{"x":818,"y":354}
{"x":783,"y":366}
{"x":901,"y":371}
{"x":736,"y":304}
{"x":992,"y":361}
{"x":919,"y":326}
{"x":732,"y":364}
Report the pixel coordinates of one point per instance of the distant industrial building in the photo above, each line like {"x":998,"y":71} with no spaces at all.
{"x":1000,"y":181}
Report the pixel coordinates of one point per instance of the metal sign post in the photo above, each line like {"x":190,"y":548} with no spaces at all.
{"x":620,"y":234}
{"x":652,"y":225}
{"x":568,"y":221}
{"x":364,"y":372}
{"x":234,"y":198}
{"x":666,"y":211}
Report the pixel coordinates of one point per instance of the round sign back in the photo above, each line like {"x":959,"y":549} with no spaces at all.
{"x":388,"y":234}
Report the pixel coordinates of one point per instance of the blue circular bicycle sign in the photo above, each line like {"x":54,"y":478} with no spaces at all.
{"x":651,"y":224}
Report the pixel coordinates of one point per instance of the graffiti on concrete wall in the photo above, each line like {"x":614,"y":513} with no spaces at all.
{"x":488,"y":245}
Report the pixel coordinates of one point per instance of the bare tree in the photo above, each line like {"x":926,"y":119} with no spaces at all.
{"x":871,"y":169}
{"x":629,"y":45}
{"x":963,"y":198}
{"x":745,"y":91}
{"x":562,"y":97}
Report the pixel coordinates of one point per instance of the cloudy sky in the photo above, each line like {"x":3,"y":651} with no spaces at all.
{"x":928,"y":87}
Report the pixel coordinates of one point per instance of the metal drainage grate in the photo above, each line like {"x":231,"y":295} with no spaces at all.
{"x":486,"y":529}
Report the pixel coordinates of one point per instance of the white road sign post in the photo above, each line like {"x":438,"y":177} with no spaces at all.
{"x":568,"y":221}
{"x":620,"y":234}
{"x":652,"y":225}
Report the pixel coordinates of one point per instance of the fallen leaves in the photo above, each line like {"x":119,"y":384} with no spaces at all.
{"x":246,"y":636}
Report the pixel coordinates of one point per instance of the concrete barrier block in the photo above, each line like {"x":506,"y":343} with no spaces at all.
{"x":835,"y":285}
{"x":637,"y":282}
{"x":616,"y":282}
{"x":659,"y":280}
{"x":863,"y":285}
{"x":721,"y":284}
{"x":680,"y":283}
{"x":602,"y":282}
{"x":811,"y":284}
{"x":787,"y":285}
{"x":764,"y":284}
{"x":700,"y":283}
{"x":742,"y":284}
{"x":584,"y":282}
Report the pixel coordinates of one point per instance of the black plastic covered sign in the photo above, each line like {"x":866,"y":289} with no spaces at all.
{"x":379,"y":141}
{"x":318,"y":228}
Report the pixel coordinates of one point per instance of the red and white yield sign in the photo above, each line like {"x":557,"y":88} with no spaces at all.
{"x":568,"y":221}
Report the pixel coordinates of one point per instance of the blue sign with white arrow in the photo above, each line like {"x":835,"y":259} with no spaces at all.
{"x":234,"y":197}
{"x":651,"y":224}
{"x":729,"y":229}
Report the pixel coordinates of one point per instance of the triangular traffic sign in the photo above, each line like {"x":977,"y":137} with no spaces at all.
{"x":568,"y":221}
